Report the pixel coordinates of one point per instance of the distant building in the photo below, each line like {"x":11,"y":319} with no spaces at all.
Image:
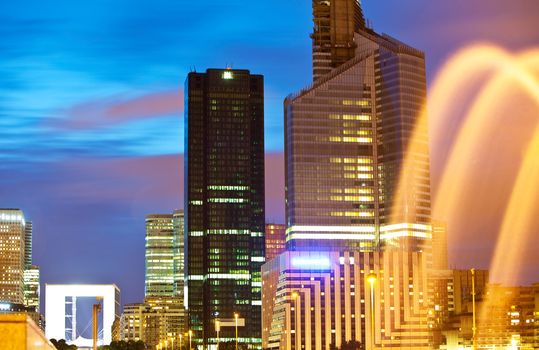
{"x":13,"y":234}
{"x":9,"y":308}
{"x":275,"y":240}
{"x":312,"y":300}
{"x":224,"y":203}
{"x":161,"y":251}
{"x":440,"y":258}
{"x":61,"y":305}
{"x":511,"y":320}
{"x":31,"y":287}
{"x":28,"y":239}
{"x":152,"y":322}
{"x":163,"y":311}
{"x":462,"y":286}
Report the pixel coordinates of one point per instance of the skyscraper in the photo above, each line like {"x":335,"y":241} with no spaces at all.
{"x":164,"y":255}
{"x":224,"y":201}
{"x":346,"y":139}
{"x":160,"y":240}
{"x":359,"y":249}
{"x":12,"y":255}
{"x":28,"y":232}
{"x":164,"y":285}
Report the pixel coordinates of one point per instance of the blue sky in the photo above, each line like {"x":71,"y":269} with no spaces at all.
{"x":91,"y":115}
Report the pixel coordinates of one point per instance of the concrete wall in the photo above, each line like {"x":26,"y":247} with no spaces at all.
{"x":19,"y":332}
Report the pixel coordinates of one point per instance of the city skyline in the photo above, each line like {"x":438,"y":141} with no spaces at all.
{"x":117,"y":109}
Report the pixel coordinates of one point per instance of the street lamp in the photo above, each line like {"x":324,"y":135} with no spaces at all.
{"x":217,"y":329}
{"x":190,"y":336}
{"x":296,"y":296}
{"x":474,"y":327}
{"x":181,"y":342}
{"x":371,"y":278}
{"x":236,"y":319}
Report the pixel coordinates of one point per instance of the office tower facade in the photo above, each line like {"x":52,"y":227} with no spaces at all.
{"x":313,"y":300}
{"x":164,"y":255}
{"x":275,"y":240}
{"x":31,"y":282}
{"x":224,"y":201}
{"x":164,"y":283}
{"x":160,"y":240}
{"x":28,"y":234}
{"x":12,"y":255}
{"x":346,"y":140}
{"x":153,"y":322}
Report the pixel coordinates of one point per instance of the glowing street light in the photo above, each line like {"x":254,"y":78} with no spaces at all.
{"x":181,"y":342}
{"x":190,"y":336}
{"x":236,"y":319}
{"x":371,"y":278}
{"x":217,"y":329}
{"x":296,"y":297}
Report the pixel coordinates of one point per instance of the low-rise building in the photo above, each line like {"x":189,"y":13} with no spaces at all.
{"x":313,"y":300}
{"x":154,"y":321}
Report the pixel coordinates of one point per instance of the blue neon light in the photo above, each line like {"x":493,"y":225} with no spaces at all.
{"x":313,"y":263}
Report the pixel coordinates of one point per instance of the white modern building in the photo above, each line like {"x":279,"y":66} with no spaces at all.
{"x":61,"y":311}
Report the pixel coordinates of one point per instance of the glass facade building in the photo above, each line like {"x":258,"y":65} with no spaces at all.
{"x":12,"y":255}
{"x":31,"y":287}
{"x":275,"y":240}
{"x":347,"y":137}
{"x":164,"y":283}
{"x":160,"y":238}
{"x":224,"y":201}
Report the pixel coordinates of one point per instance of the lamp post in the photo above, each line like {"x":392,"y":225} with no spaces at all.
{"x":190,"y":336}
{"x":217,"y":329}
{"x":371,"y":278}
{"x":181,"y":342}
{"x":295,"y":296}
{"x":474,"y":328}
{"x":236,"y":319}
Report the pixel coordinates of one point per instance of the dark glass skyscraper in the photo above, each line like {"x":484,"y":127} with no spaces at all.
{"x":224,"y":201}
{"x":347,"y":137}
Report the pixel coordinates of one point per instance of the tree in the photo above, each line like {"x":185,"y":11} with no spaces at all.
{"x":124,"y":345}
{"x":62,"y":345}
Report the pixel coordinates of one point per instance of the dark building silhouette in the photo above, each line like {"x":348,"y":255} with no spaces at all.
{"x":224,"y":201}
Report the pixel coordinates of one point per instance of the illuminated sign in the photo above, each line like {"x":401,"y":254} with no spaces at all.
{"x":311,"y":262}
{"x":5,"y":307}
{"x":227,"y":75}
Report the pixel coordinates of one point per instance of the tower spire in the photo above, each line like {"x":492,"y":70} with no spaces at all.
{"x":335,"y":23}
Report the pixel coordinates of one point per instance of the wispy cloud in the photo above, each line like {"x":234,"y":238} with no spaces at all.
{"x":107,"y":112}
